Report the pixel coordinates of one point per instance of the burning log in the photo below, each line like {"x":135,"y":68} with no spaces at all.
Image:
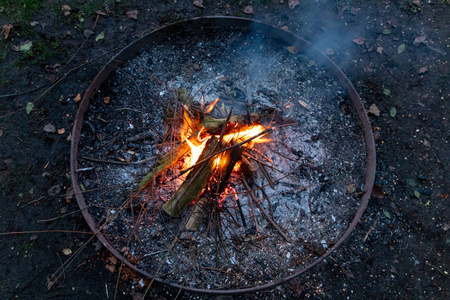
{"x":195,"y":182}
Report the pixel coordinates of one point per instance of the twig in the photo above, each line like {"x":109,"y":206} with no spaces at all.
{"x":261,"y":208}
{"x":143,"y":161}
{"x":371,"y":229}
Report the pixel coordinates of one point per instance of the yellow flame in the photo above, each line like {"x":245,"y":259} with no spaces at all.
{"x":246,"y":134}
{"x":211,"y":106}
{"x":196,"y":151}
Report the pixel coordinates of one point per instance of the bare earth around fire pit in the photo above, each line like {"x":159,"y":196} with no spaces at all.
{"x":396,"y":53}
{"x":305,"y":176}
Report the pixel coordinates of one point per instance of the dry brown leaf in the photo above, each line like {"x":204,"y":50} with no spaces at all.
{"x":359,"y":41}
{"x":293,"y":3}
{"x":66,"y":9}
{"x":374,"y":110}
{"x":198,"y":3}
{"x":380,"y":49}
{"x":49,"y":128}
{"x":416,"y":2}
{"x":377,"y":191}
{"x":248,"y":10}
{"x":69,"y":138}
{"x":67,"y":251}
{"x":111,"y":268}
{"x":132,"y":14}
{"x":77,"y":98}
{"x":351,"y":188}
{"x":61,"y":130}
{"x":6,"y":29}
{"x":107,"y":99}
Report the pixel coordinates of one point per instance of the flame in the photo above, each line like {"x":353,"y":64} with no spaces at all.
{"x":196,"y":151}
{"x":246,"y":134}
{"x":211,"y":106}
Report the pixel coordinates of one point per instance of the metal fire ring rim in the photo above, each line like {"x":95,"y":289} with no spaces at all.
{"x":132,"y":49}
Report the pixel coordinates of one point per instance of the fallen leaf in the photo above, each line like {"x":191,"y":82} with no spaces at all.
{"x":101,"y":13}
{"x":49,"y":128}
{"x":351,"y":188}
{"x":77,"y":98}
{"x":132,"y":14}
{"x":393,"y":112}
{"x":248,"y":10}
{"x":386,"y":31}
{"x":377,"y":191}
{"x":222,"y":78}
{"x":66,"y":9}
{"x":416,"y":2}
{"x":111,"y":268}
{"x":380,"y":49}
{"x":422,"y":70}
{"x":411,"y":182}
{"x":87,"y":33}
{"x":106,"y":100}
{"x":113,"y":259}
{"x":298,"y":288}
{"x":63,"y":210}
{"x":61,"y":131}
{"x":69,"y":138}
{"x":55,"y":190}
{"x":418,"y":40}
{"x":6,"y":29}
{"x":293,"y":49}
{"x":354,"y":10}
{"x":67,"y":251}
{"x":293,"y":3}
{"x":34,"y":23}
{"x":303,"y":103}
{"x":359,"y":41}
{"x":417,"y":194}
{"x":24,"y":47}
{"x":374,"y":110}
{"x":99,"y":37}
{"x":198,"y":3}
{"x":387,"y":92}
{"x":401,"y":48}
{"x":29,"y":107}
{"x":385,"y":212}
{"x":329,"y":51}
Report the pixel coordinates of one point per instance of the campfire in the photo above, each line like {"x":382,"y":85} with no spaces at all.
{"x":207,"y":149}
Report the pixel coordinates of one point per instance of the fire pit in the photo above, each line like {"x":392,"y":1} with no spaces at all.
{"x":222,"y":155}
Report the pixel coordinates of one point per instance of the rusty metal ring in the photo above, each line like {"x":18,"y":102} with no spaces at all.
{"x":217,"y":23}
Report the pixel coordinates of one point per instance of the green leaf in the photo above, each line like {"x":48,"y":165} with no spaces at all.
{"x":417,"y":194}
{"x":393,"y":112}
{"x":82,"y":187}
{"x":411,"y":182}
{"x":29,"y":108}
{"x":26,"y":47}
{"x":99,"y":37}
{"x":385,"y":212}
{"x":386,"y":31}
{"x":20,"y":195}
{"x":31,"y":191}
{"x":401,"y":48}
{"x":387,"y":92}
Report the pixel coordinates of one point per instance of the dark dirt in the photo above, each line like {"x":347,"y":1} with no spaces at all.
{"x":400,"y":249}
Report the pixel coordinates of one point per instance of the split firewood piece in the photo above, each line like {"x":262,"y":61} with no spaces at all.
{"x":195,"y":182}
{"x":166,"y":161}
{"x":197,"y":215}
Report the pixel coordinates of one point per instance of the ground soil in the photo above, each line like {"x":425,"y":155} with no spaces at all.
{"x":400,"y":248}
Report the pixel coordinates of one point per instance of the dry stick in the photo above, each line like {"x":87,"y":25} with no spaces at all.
{"x":261,"y":208}
{"x":225,"y":149}
{"x":143,"y":161}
